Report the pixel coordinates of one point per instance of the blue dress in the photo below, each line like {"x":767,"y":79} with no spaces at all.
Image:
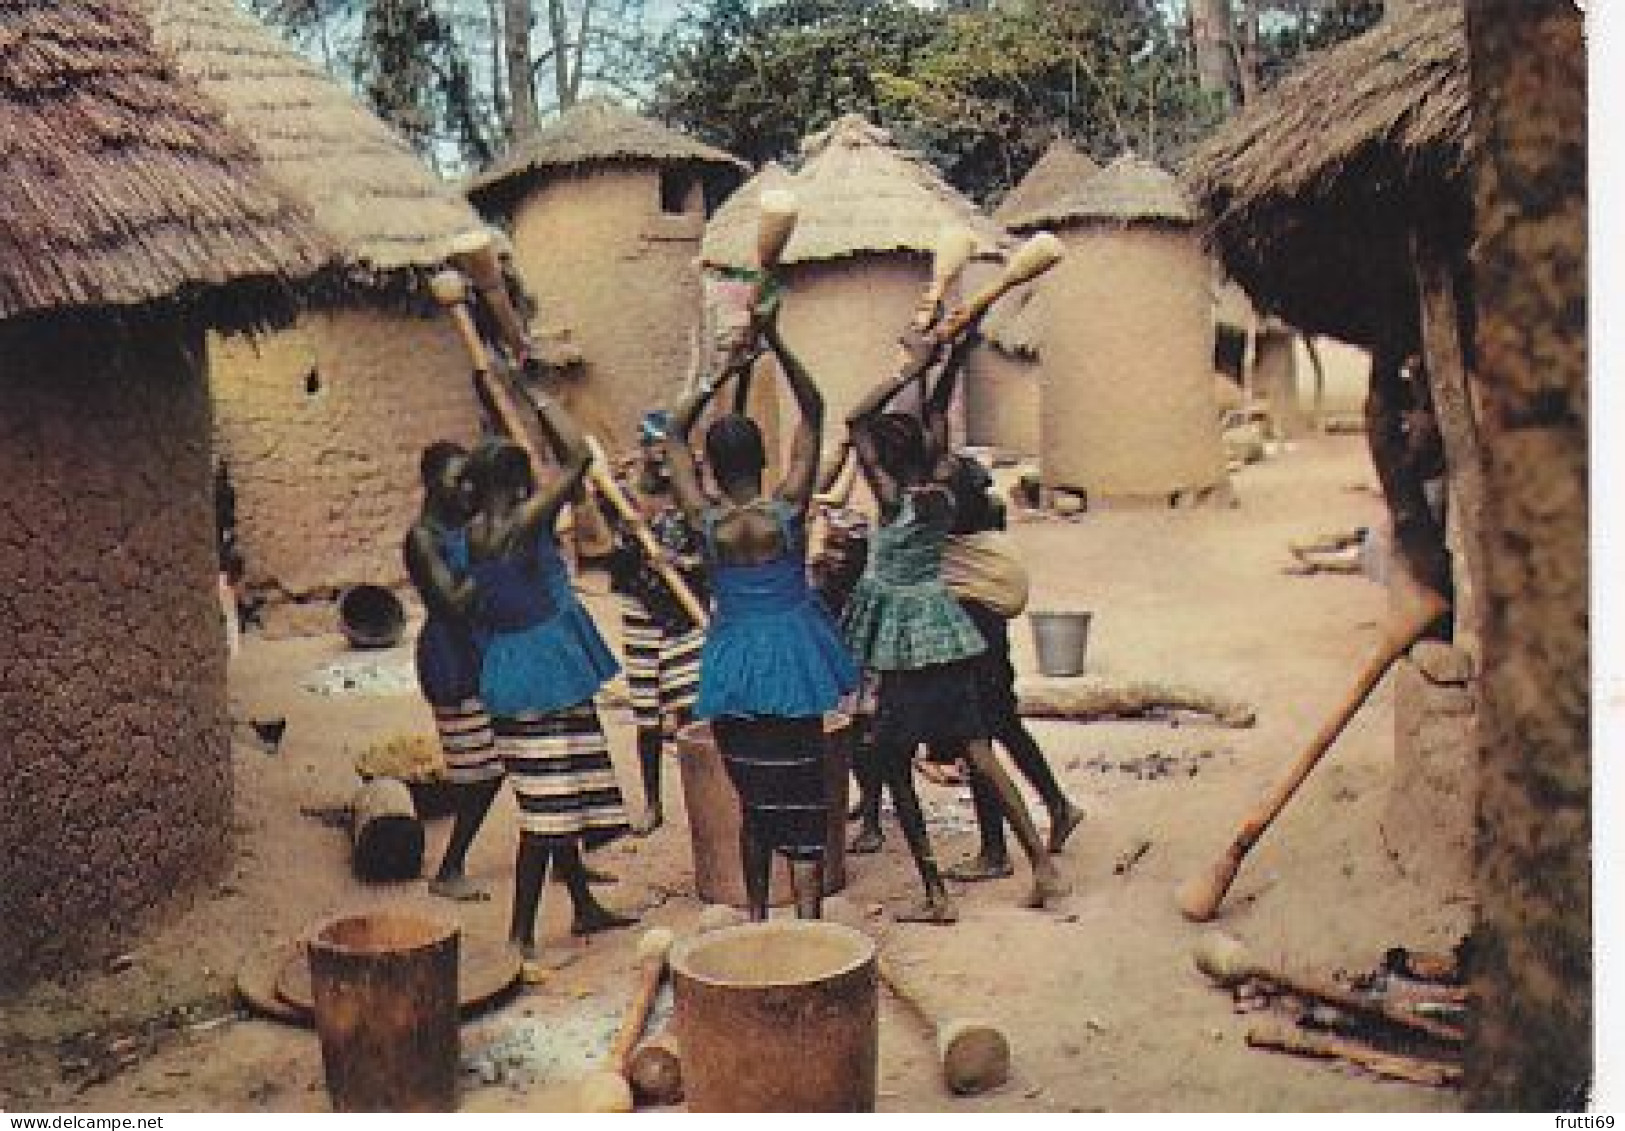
{"x":448,"y":659}
{"x":541,"y":651}
{"x":772,"y":648}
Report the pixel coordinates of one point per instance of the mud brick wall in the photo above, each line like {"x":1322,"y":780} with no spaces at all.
{"x":323,"y":426}
{"x":605,"y":262}
{"x":115,"y":770}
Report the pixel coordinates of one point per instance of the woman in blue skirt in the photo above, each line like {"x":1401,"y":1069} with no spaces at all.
{"x":773,"y":663}
{"x":542,"y":661}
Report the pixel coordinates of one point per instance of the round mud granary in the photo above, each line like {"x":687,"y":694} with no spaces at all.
{"x":138,"y":222}
{"x":1129,"y":409}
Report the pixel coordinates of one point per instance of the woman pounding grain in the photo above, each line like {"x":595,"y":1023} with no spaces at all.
{"x":543,"y":660}
{"x":773,"y":663}
{"x":903,"y":623}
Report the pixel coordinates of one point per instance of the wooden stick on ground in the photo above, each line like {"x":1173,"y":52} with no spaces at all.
{"x":974,"y":1055}
{"x":1394,"y":1066}
{"x":607,"y":1089}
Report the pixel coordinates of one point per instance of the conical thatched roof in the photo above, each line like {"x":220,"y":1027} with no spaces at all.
{"x":1130,"y":190}
{"x":122,"y":186}
{"x":859,"y":194}
{"x":1057,"y":174}
{"x":369,"y":192}
{"x":730,"y":235}
{"x":592,"y":131}
{"x":1312,"y":191}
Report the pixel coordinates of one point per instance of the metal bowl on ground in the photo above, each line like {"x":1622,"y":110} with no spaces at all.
{"x":370,"y":616}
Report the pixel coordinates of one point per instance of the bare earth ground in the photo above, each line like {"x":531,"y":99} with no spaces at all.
{"x":1099,"y":997}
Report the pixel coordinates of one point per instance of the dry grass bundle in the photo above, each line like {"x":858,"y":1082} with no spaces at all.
{"x":371,"y":195}
{"x":123,"y":186}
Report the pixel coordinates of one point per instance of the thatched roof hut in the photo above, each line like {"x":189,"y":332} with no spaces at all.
{"x":123,"y":187}
{"x":1056,"y":175}
{"x":606,"y":210}
{"x":1313,"y":191}
{"x":860,"y":195}
{"x":131,"y":218}
{"x":321,"y":426}
{"x":1128,"y":408}
{"x":859,"y":260}
{"x":595,"y":131}
{"x":368,"y":190}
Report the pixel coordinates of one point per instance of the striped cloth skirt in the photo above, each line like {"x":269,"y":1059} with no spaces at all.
{"x":776,"y":765}
{"x":468,"y":743}
{"x":662,"y":667}
{"x":561,"y":773}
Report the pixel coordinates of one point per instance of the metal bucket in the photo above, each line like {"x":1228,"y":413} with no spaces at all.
{"x":713,"y":816}
{"x":777,"y":1016}
{"x":384,"y":987}
{"x":1061,"y":640}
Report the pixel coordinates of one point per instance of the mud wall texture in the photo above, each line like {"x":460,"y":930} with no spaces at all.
{"x":1428,"y":824}
{"x":1002,"y":402}
{"x":114,"y":754}
{"x":1347,"y":372}
{"x":843,"y":318}
{"x":322,"y":426}
{"x":1532,"y":1045}
{"x":607,"y":264}
{"x":1275,"y":379}
{"x":1128,"y":407}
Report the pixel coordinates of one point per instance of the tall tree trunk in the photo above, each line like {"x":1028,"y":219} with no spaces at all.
{"x":522,"y":117}
{"x":1214,"y":36}
{"x":1532,"y":1046}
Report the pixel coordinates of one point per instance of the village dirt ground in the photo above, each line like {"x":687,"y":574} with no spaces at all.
{"x":1099,"y":997}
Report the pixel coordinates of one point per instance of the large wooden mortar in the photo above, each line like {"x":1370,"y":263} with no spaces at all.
{"x":712,"y":804}
{"x":777,"y":1016}
{"x":385,"y":992}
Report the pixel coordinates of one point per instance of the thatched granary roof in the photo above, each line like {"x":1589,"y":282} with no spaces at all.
{"x":1130,"y":190}
{"x":122,"y":186}
{"x":1057,"y":174}
{"x":1313,"y":191}
{"x":593,"y":131}
{"x":859,"y":194}
{"x":385,"y":210}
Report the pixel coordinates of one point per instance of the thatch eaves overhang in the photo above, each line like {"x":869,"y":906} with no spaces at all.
{"x":1315,"y":193}
{"x":593,"y":132}
{"x":391,"y":217}
{"x":124,"y":190}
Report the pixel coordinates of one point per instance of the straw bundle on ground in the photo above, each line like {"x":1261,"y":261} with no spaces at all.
{"x":368,"y":191}
{"x":1128,"y":406}
{"x":1056,"y":175}
{"x":130,"y":218}
{"x":122,"y":185}
{"x":1312,"y":191}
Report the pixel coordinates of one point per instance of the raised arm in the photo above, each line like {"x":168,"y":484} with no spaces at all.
{"x":922,"y":354}
{"x":801,"y":477}
{"x":942,"y":397}
{"x":569,"y":446}
{"x":685,"y":476}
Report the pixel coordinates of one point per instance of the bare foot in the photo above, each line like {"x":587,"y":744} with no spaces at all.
{"x":1047,"y":885}
{"x":594,"y":920}
{"x":460,"y":888}
{"x":975,"y":869}
{"x":867,"y":841}
{"x":1061,"y":827}
{"x":537,"y":964}
{"x":940,"y":773}
{"x":594,"y":876}
{"x":938,"y":910}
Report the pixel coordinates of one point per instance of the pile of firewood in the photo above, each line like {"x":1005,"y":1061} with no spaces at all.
{"x":1404,"y":1020}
